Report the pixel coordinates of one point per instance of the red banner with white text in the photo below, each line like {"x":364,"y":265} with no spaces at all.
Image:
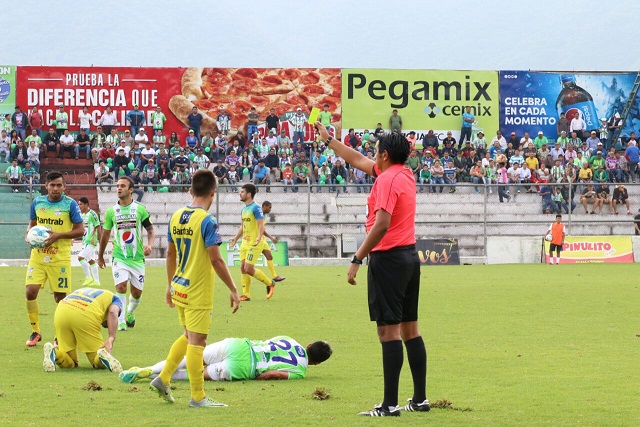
{"x":98,"y":88}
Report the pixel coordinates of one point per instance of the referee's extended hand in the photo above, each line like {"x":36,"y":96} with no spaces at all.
{"x":351,"y":274}
{"x":235,"y":301}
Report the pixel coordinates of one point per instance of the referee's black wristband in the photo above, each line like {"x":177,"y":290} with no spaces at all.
{"x":355,"y":260}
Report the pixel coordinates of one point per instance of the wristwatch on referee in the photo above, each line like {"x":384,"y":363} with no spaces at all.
{"x":355,"y":260}
{"x":329,"y":140}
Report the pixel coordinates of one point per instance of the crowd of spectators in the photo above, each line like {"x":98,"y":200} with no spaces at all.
{"x":587,"y":163}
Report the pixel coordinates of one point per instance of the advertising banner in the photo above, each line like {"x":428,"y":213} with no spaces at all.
{"x":7,"y":90}
{"x":532,"y":101}
{"x":438,"y":252}
{"x":425,"y":99}
{"x":98,"y":88}
{"x":280,"y":252}
{"x":593,"y":249}
{"x":233,"y":91}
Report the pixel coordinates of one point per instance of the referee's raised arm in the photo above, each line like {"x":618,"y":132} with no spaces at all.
{"x":351,"y":156}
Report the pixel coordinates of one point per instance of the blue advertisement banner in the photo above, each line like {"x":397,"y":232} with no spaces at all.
{"x":532,"y":101}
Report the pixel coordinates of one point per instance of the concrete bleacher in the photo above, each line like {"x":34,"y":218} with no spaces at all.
{"x":461,"y":215}
{"x":14,"y":215}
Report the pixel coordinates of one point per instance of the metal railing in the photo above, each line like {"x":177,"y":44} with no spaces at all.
{"x":330,"y":224}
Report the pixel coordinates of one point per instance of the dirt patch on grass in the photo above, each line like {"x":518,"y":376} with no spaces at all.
{"x":92,"y":386}
{"x":448,"y":405}
{"x":320,"y":394}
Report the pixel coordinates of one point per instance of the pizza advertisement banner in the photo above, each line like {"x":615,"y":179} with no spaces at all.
{"x":7,"y":90}
{"x":532,"y":101}
{"x":425,"y":99}
{"x":98,"y":88}
{"x":594,"y":249}
{"x":233,"y":91}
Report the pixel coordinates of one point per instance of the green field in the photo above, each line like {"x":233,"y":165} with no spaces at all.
{"x":507,"y":345}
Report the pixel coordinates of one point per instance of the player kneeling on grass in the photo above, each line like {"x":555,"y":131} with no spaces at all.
{"x":77,"y":323}
{"x":235,"y":359}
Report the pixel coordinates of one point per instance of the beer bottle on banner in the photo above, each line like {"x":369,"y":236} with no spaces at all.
{"x":572,"y":98}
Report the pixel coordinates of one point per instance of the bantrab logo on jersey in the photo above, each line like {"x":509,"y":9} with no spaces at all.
{"x":128,"y":237}
{"x":185,"y":217}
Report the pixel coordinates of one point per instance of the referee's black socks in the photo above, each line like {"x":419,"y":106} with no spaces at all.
{"x":392,"y":359}
{"x":417,"y":355}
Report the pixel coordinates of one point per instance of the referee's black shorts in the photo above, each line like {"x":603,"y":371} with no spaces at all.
{"x":394,"y":285}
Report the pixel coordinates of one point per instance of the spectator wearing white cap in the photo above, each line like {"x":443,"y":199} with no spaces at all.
{"x":540,"y":140}
{"x":141,"y":137}
{"x":593,"y":142}
{"x":614,"y":123}
{"x":603,"y":133}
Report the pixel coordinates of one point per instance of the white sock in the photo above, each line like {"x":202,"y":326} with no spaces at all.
{"x":179,"y":375}
{"x":85,"y":267}
{"x":123,"y":301}
{"x":558,"y":260}
{"x":133,"y":304}
{"x":95,"y":272}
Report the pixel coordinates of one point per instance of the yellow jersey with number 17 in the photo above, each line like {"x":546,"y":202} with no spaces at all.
{"x":250,"y":216}
{"x":192,"y":230}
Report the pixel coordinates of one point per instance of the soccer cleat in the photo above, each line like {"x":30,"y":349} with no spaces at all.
{"x":244,"y":298}
{"x":49,"y":361}
{"x":122,"y":326}
{"x":33,"y":339}
{"x":164,"y":391}
{"x":130,"y":375}
{"x":278,"y":279}
{"x":207,"y":402}
{"x":131,"y":320}
{"x":416,"y":407}
{"x":380,"y":411}
{"x":110,"y":362}
{"x":270,"y":290}
{"x":88,"y":282}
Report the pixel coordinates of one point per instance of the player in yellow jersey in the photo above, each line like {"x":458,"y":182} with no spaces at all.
{"x":252,"y":231}
{"x":193,"y":237}
{"x":266,"y":208}
{"x":77,"y":321}
{"x":61,"y":215}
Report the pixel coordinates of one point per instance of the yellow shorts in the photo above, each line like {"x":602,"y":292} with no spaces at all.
{"x":251,"y":254}
{"x":59,"y":277}
{"x":76,"y":331}
{"x":195,"y":319}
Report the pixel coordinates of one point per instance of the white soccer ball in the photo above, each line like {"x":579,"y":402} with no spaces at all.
{"x":37,"y":236}
{"x":547,"y":237}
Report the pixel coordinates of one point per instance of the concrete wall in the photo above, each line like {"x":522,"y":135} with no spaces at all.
{"x":513,"y":250}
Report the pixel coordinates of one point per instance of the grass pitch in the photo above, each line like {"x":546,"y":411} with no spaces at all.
{"x":507,"y":345}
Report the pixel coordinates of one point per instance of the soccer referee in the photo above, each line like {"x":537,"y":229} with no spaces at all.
{"x":394,"y":268}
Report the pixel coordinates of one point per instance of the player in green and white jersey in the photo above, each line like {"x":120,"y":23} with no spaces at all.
{"x":235,"y":359}
{"x":90,"y":239}
{"x":128,"y":218}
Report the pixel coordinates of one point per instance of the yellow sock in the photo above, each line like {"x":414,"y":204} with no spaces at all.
{"x":262,"y":277}
{"x":272,"y":268}
{"x":64,"y":360}
{"x":176,"y":354}
{"x":245,"y":279}
{"x":195,"y":371}
{"x":34,"y":315}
